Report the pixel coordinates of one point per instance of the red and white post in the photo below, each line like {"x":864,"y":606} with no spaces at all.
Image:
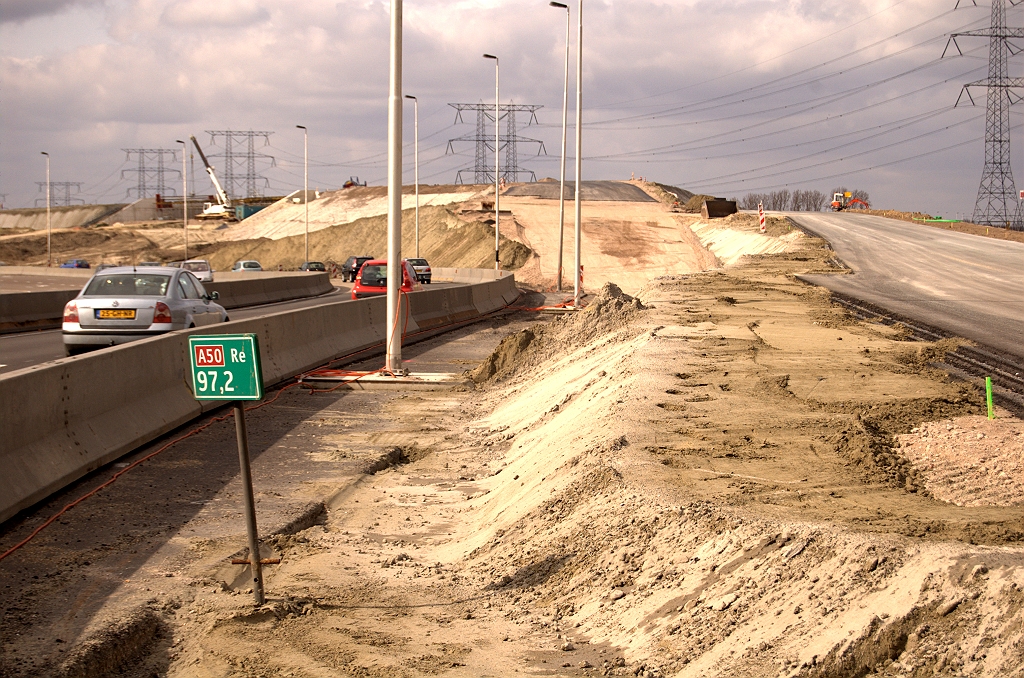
{"x":760,"y":215}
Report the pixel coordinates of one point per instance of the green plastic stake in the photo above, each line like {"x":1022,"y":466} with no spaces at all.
{"x":988,"y":397}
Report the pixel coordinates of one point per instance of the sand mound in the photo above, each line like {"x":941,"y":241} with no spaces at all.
{"x":695,"y":203}
{"x":117,"y":244}
{"x":969,"y":461}
{"x":446,"y":240}
{"x":287,"y":218}
{"x":738,"y":235}
{"x":610,"y":312}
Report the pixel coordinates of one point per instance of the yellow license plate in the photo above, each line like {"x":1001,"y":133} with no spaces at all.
{"x":116,"y":314}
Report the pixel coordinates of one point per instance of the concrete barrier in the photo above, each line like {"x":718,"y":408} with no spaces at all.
{"x":251,"y":289}
{"x":33,"y":310}
{"x":72,"y":274}
{"x":64,"y":419}
{"x":43,"y":309}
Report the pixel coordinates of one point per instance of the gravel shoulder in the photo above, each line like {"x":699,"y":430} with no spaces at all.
{"x":716,"y":477}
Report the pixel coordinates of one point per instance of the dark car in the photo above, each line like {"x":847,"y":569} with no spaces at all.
{"x":422,"y":269}
{"x":313,"y":266}
{"x":351,"y":267}
{"x":75,"y":263}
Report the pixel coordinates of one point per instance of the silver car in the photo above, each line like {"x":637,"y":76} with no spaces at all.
{"x":123,"y":304}
{"x":200,"y":268}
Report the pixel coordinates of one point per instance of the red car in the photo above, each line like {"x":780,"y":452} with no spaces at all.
{"x":372,"y":279}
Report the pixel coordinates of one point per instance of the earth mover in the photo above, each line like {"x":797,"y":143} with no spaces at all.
{"x":845,"y":201}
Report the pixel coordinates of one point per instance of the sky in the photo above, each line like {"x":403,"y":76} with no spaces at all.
{"x":724,"y":97}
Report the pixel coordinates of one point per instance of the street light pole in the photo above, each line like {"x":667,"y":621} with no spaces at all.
{"x":497,"y":164}
{"x":184,"y":193}
{"x":393,"y":360}
{"x":305,"y":182}
{"x":565,"y":116}
{"x":416,"y":163}
{"x":579,"y":151}
{"x":49,"y":256}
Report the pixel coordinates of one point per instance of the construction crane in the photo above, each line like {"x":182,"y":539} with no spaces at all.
{"x":221,"y":209}
{"x":845,"y":201}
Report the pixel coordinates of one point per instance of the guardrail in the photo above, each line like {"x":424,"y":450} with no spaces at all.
{"x":67,"y":418}
{"x":43,"y":309}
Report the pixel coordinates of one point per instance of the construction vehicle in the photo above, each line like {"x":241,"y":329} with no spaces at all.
{"x":214,"y":210}
{"x":845,"y":201}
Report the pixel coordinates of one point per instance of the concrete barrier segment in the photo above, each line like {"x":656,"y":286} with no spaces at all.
{"x":21,"y":311}
{"x":39,"y":310}
{"x":64,"y":419}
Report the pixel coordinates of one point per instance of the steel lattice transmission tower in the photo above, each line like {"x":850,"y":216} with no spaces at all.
{"x":151,"y":179}
{"x":240,"y":159}
{"x":60,"y":193}
{"x":997,"y":203}
{"x":483,"y":137}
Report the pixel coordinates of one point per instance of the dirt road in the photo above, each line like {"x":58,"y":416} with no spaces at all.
{"x":707,"y":480}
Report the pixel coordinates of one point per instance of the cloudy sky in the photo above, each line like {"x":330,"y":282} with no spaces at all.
{"x":720,"y":96}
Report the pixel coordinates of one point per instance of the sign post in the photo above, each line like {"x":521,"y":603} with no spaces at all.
{"x":227,"y":367}
{"x":760,"y":215}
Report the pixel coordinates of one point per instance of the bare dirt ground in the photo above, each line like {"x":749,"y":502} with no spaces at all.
{"x":111,"y":244}
{"x":714,"y":478}
{"x":345,"y":206}
{"x":628,"y":242}
{"x":446,"y":239}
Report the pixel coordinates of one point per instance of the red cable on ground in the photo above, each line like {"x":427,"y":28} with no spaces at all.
{"x":215,"y":420}
{"x":112,"y":479}
{"x":566,"y":303}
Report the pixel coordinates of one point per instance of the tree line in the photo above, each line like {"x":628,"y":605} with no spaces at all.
{"x":798,"y":201}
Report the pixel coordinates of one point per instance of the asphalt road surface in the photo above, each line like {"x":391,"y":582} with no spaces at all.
{"x":969,"y":285}
{"x":589,"y":190}
{"x":26,"y":349}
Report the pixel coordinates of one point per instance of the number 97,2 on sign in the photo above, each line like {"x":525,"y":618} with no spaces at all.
{"x":226,"y":367}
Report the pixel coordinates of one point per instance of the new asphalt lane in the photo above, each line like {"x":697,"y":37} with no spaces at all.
{"x":969,"y":285}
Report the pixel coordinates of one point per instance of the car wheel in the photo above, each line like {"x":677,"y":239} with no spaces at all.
{"x":227,"y":319}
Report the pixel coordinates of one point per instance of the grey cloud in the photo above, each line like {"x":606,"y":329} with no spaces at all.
{"x":224,"y":13}
{"x":22,"y":10}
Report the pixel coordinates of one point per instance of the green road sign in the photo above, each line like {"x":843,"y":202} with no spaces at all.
{"x":226,"y":367}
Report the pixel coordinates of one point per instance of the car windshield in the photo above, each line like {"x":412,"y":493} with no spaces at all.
{"x":200,"y":266}
{"x":128,"y":285}
{"x":418,"y":262}
{"x":374,"y":276}
{"x":250,"y":264}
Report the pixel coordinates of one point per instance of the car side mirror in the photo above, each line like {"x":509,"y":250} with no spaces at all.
{"x":212,"y":296}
